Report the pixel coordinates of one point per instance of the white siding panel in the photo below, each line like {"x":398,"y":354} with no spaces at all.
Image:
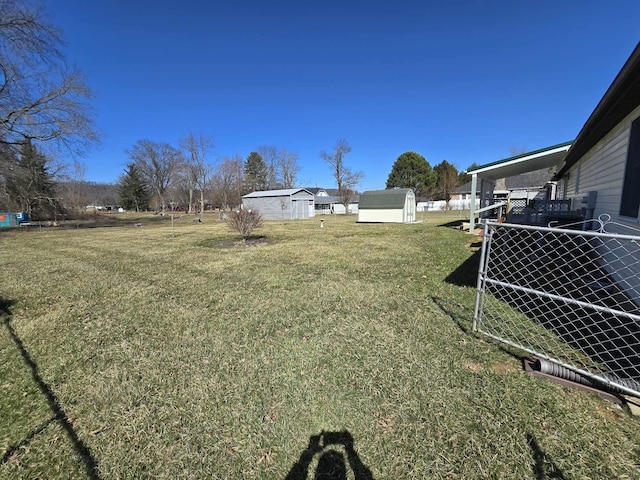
{"x":383,"y":215}
{"x":602,"y":169}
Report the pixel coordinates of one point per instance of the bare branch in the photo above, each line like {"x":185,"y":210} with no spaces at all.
{"x":158,"y":163}
{"x":40,"y":98}
{"x":198,"y":172}
{"x":346,"y":179}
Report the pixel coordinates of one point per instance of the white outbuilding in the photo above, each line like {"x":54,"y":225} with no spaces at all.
{"x":287,"y":204}
{"x":396,"y":205}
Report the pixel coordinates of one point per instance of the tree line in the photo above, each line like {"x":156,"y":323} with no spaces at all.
{"x":412,"y":170}
{"x":160,"y":176}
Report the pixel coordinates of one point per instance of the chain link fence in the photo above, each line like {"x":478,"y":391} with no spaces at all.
{"x":571,"y":297}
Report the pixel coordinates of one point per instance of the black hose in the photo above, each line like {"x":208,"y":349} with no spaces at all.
{"x":556,"y":370}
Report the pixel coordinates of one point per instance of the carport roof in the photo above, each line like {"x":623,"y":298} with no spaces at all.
{"x":527,"y":162}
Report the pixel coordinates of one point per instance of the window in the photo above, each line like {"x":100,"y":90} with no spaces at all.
{"x":630,"y":203}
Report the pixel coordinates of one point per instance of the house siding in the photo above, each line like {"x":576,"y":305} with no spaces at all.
{"x":602,"y":169}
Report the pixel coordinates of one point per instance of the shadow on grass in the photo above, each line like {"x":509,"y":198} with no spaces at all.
{"x":331,"y":463}
{"x":234,"y":241}
{"x":543,"y":466}
{"x":463,"y":320}
{"x":59,"y":415}
{"x":5,"y":307}
{"x":454,"y":224}
{"x":463,"y":317}
{"x":466,"y":275}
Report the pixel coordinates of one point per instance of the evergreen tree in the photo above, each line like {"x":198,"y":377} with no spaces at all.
{"x":447,"y":180}
{"x":134,"y":194}
{"x":8,"y":162}
{"x":465,"y":177}
{"x":30,"y":184}
{"x":255,"y":172}
{"x":412,"y":170}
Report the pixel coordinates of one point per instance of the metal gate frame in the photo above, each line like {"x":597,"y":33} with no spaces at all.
{"x":570,"y":297}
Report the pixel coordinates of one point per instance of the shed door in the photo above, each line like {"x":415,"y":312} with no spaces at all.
{"x":299,"y":208}
{"x":411,"y":208}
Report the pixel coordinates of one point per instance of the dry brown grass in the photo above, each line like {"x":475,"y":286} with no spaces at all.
{"x":171,"y":355}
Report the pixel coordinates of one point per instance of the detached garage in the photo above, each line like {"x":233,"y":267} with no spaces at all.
{"x":286,"y":204}
{"x":387,"y":206}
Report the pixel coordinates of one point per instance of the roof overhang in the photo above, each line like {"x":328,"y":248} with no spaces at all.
{"x":621,"y":98}
{"x":528,"y":162}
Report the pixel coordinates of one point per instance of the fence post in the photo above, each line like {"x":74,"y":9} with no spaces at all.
{"x":480,"y":284}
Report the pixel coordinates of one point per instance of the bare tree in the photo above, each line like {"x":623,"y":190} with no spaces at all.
{"x":288,"y":168}
{"x":228,"y":182}
{"x":346,"y":179}
{"x":72,"y":188}
{"x":41,"y":99}
{"x":515,"y":151}
{"x":244,"y":222}
{"x":196,"y":151}
{"x":158,"y":164}
{"x":270,"y":156}
{"x":184,"y":187}
{"x":281,"y":167}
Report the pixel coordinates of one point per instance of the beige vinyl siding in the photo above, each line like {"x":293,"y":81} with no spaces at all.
{"x":386,"y":215}
{"x":602,"y":169}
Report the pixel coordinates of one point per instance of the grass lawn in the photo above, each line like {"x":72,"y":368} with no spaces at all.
{"x":160,"y":352}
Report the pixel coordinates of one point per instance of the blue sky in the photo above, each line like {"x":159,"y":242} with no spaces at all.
{"x":464,"y":81}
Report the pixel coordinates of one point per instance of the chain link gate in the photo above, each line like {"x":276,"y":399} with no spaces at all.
{"x":570,"y":297}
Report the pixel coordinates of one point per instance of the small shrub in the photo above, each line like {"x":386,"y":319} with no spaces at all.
{"x":244,"y":222}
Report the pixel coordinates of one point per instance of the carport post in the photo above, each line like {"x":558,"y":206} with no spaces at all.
{"x":472,"y":208}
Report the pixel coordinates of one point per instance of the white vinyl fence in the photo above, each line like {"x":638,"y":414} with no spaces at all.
{"x":440,"y":205}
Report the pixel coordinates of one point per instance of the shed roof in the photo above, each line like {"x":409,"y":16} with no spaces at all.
{"x":383,"y":199}
{"x":287,"y":192}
